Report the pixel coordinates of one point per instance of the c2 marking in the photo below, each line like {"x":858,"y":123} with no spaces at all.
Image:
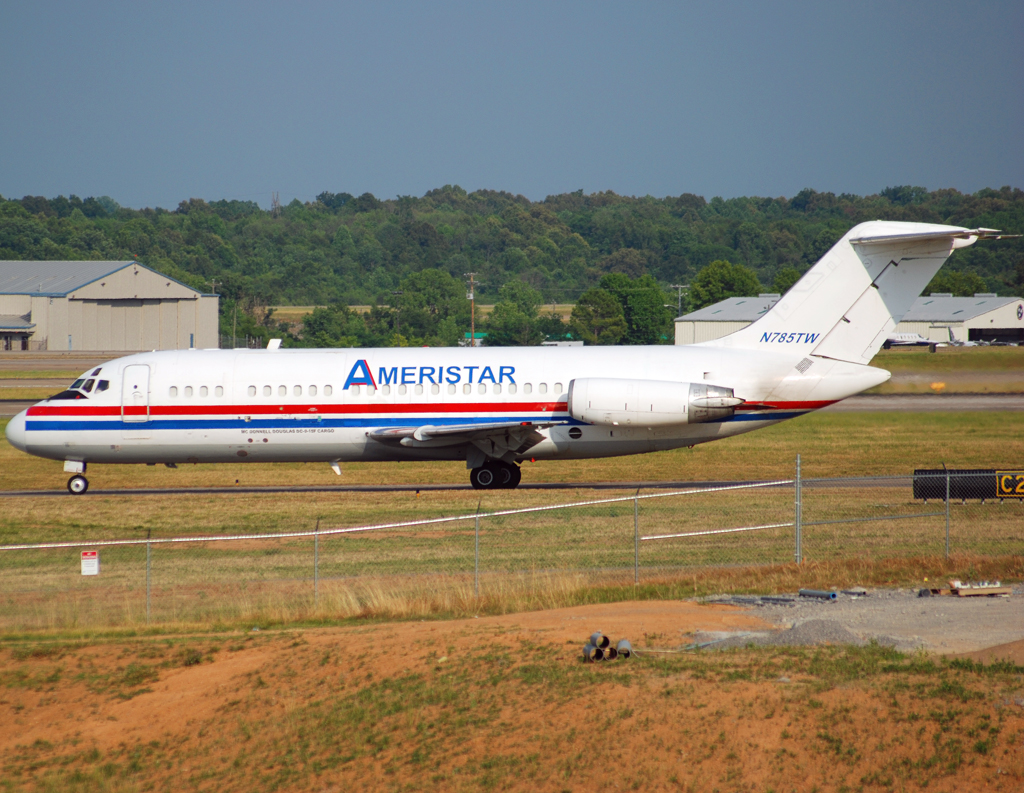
{"x":1009,"y":484}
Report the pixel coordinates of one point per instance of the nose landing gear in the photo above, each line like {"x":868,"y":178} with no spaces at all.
{"x":77,"y":485}
{"x":495,"y":475}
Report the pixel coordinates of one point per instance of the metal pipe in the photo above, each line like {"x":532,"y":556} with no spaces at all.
{"x":599,"y":640}
{"x":798,"y":514}
{"x":818,"y":593}
{"x":636,"y":538}
{"x":592,"y":653}
{"x":316,"y":566}
{"x":148,"y":572}
{"x":947,"y":510}
{"x":624,"y":648}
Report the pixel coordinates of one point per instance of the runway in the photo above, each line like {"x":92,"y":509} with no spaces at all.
{"x":877,"y":403}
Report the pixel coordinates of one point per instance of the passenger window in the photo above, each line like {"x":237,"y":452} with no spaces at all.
{"x":497,"y":388}
{"x":370,"y":391}
{"x":267,"y":390}
{"x":88,"y":385}
{"x":204,"y":391}
{"x":188,"y":391}
{"x":173,"y":391}
{"x":543,"y":388}
{"x":385,"y":390}
{"x":297,"y":391}
{"x":527,"y":388}
{"x":252,"y":390}
{"x":467,"y":389}
{"x":435,"y":389}
{"x":512,"y":388}
{"x":482,"y":388}
{"x":282,"y":390}
{"x":354,"y":390}
{"x":102,"y":385}
{"x":558,"y":388}
{"x":402,"y":390}
{"x":328,"y":390}
{"x":451,"y":388}
{"x":219,"y":390}
{"x":312,"y":390}
{"x":419,"y":389}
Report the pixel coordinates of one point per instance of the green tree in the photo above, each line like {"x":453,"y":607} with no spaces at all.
{"x":643,"y":307}
{"x":597,"y":318}
{"x":513,"y":322}
{"x":961,"y":284}
{"x":720,"y":280}
{"x":784,"y":280}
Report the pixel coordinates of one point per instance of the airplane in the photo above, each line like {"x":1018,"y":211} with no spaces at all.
{"x":495,"y":407}
{"x":910,"y":340}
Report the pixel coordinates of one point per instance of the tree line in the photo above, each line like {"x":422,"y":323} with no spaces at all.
{"x":614,"y":257}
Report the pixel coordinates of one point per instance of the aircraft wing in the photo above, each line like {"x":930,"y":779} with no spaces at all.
{"x":499,"y":440}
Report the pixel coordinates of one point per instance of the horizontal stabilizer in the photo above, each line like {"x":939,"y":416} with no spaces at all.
{"x":971,"y":235}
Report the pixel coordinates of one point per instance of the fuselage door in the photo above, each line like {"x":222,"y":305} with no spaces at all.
{"x":135,"y":394}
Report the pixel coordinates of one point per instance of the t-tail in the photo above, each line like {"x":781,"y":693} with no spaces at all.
{"x":846,"y":306}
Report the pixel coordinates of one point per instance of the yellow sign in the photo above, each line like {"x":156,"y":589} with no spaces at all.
{"x":1009,"y":484}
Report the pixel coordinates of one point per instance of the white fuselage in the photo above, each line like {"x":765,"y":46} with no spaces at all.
{"x":322,"y":405}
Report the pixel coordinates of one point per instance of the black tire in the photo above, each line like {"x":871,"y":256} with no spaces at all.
{"x":486,"y":477}
{"x":517,"y":477}
{"x":77,"y":485}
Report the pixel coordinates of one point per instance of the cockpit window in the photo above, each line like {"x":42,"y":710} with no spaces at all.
{"x":102,"y":385}
{"x":77,"y":383}
{"x":88,"y":385}
{"x":96,"y":371}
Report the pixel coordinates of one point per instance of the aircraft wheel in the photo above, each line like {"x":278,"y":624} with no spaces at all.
{"x":77,"y":485}
{"x":517,"y":477}
{"x":486,"y":477}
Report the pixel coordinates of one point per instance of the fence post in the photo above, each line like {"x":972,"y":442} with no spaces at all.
{"x":636,"y":538}
{"x":798,"y":514}
{"x":316,"y":565}
{"x":148,"y":568}
{"x":947,"y":511}
{"x":476,"y":555}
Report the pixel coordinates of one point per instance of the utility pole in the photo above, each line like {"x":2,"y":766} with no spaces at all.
{"x":214,"y":283}
{"x":472,"y":310}
{"x":679,"y":288}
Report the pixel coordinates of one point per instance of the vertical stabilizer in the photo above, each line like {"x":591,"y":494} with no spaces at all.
{"x":852,"y":299}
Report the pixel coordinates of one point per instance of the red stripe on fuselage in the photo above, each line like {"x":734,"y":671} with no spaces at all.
{"x":786,"y":405}
{"x":309,"y":410}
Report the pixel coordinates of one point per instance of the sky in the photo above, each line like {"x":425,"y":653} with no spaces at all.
{"x":153,"y":103}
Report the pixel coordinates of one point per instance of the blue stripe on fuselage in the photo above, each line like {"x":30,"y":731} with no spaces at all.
{"x":64,"y":425}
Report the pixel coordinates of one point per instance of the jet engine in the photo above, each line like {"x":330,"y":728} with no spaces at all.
{"x":617,"y":402}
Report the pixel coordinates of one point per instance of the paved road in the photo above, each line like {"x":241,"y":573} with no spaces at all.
{"x":916,"y":403}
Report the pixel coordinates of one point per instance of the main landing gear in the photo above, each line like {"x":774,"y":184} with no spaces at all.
{"x":495,"y":475}
{"x":77,"y":485}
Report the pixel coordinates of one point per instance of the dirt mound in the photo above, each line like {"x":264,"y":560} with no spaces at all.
{"x":1012,"y":652}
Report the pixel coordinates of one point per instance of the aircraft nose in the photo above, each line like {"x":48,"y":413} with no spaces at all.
{"x":16,"y":431}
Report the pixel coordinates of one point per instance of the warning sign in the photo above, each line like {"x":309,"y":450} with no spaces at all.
{"x":90,"y":562}
{"x":1010,"y":484}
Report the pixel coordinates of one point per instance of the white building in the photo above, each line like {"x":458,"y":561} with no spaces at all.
{"x":939,"y":317}
{"x":90,"y":305}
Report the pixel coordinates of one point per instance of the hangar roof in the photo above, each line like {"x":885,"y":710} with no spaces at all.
{"x":732,"y":309}
{"x":13,"y":322}
{"x":931,"y":308}
{"x":57,"y":278}
{"x":944,"y":308}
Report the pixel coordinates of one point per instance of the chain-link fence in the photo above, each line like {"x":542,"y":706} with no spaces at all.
{"x":441,"y":563}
